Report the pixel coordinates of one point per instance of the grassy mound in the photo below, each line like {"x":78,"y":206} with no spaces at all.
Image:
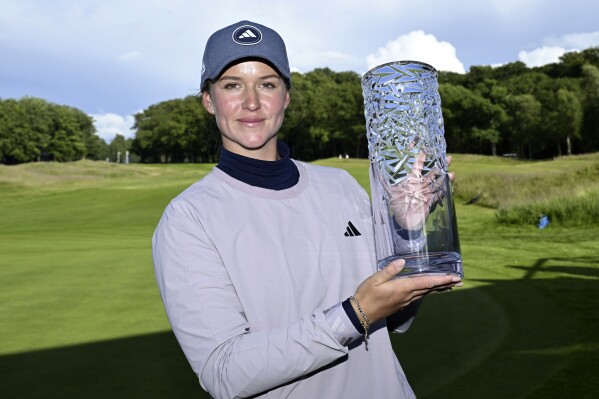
{"x":566,"y":189}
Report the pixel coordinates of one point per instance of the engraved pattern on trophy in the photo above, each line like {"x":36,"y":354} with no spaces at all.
{"x":402,"y":108}
{"x":413,"y":211}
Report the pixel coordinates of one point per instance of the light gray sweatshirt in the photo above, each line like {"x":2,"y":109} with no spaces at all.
{"x":252,"y":280}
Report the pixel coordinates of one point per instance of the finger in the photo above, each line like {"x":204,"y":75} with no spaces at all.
{"x":451,"y":176}
{"x":389,"y":272}
{"x":439,"y":190}
{"x":428,"y":283}
{"x":445,"y":288}
{"x":418,"y":164}
{"x":448,"y":159}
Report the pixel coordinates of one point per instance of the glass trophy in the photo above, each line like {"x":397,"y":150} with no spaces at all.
{"x":413,"y":211}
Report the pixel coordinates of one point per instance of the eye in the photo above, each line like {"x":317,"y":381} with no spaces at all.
{"x":231,"y":86}
{"x":269,"y":85}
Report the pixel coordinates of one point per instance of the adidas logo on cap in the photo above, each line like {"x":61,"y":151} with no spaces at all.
{"x":247,"y":35}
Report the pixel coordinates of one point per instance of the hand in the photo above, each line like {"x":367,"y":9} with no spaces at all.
{"x":413,"y":198}
{"x":381,"y":295}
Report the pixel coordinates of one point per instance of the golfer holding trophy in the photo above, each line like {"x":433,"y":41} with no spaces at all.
{"x":267,"y":292}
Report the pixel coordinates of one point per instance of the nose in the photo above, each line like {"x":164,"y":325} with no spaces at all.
{"x":251,"y":101}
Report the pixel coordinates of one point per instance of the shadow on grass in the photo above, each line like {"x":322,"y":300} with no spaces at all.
{"x":147,"y":366}
{"x":541,"y":266}
{"x":534,"y":338}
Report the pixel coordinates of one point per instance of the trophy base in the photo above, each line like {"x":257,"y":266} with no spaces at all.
{"x":430,"y":263}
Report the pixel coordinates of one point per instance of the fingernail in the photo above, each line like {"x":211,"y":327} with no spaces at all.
{"x":456,"y":279}
{"x":460,"y":284}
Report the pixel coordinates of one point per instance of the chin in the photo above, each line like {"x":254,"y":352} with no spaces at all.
{"x":256,"y":143}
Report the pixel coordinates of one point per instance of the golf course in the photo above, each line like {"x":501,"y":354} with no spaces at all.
{"x":81,"y":316}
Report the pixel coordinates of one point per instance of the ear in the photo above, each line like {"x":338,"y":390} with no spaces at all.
{"x":287,"y":99}
{"x":207,"y":102}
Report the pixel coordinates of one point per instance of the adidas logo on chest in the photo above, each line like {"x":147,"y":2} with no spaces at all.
{"x":351,"y":230}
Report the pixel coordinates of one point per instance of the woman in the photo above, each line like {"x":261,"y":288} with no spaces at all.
{"x":253,"y":263}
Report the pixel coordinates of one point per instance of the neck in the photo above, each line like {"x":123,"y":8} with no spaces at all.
{"x":268,"y":152}
{"x":278,"y":174}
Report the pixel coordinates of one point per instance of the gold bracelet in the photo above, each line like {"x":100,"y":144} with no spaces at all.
{"x":364,"y":320}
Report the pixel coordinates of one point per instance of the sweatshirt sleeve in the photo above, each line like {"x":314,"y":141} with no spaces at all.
{"x":206,"y":316}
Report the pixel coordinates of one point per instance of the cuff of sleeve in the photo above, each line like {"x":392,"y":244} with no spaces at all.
{"x":342,"y":327}
{"x":353,"y":317}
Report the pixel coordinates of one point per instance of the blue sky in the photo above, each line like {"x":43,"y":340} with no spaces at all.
{"x":114,"y":58}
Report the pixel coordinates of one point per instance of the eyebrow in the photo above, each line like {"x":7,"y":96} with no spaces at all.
{"x":236,"y":78}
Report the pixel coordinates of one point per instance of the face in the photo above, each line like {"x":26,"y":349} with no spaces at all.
{"x":249,"y":101}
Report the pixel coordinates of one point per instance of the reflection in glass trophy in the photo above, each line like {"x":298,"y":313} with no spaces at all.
{"x":413,"y":211}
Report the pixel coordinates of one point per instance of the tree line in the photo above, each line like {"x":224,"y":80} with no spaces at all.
{"x":511,"y":109}
{"x":533,"y":113}
{"x":33,"y":130}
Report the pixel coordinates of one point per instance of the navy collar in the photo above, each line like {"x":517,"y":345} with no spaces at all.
{"x":274,"y":175}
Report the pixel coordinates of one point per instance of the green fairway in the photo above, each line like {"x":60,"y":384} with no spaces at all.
{"x":80,"y":314}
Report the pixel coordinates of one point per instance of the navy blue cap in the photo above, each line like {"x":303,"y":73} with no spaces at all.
{"x":244,"y":39}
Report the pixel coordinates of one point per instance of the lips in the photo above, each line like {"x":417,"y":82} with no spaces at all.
{"x":250,"y":121}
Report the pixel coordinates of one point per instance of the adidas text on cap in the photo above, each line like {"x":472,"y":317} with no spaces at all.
{"x":244,"y":39}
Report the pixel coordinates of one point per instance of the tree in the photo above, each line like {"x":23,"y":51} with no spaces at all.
{"x":178,"y":130}
{"x":525,"y":122}
{"x":325,"y":117}
{"x":38,"y":118}
{"x":118,"y":148}
{"x":565,"y":119}
{"x":17,"y":138}
{"x":590,"y":124}
{"x":491,"y":135}
{"x":470,"y":119}
{"x":67,"y":140}
{"x":510,"y":69}
{"x":32,"y":129}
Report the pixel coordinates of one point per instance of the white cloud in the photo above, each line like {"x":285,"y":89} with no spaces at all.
{"x":541,"y":56}
{"x":555,"y":47}
{"x":418,"y":46}
{"x":108,"y":125}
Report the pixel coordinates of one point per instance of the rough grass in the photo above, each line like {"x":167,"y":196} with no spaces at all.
{"x":579,"y":208}
{"x":564,"y":189}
